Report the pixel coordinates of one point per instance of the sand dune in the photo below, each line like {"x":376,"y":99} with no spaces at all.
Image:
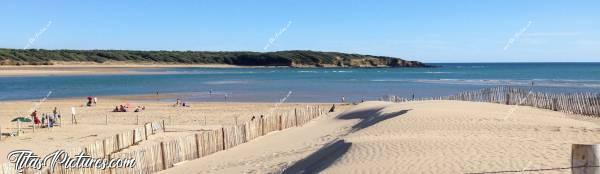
{"x":413,"y":137}
{"x":460,"y":137}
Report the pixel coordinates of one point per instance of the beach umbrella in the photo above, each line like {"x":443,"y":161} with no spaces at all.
{"x":19,"y":120}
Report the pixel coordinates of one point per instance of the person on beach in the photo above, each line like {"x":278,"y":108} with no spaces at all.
{"x":33,"y":114}
{"x":137,"y":109}
{"x":36,"y":120}
{"x":116,"y":109}
{"x":55,"y":111}
{"x":89,"y":103}
{"x":43,"y":121}
{"x":51,"y":121}
{"x":253,"y":117}
{"x":343,"y":99}
{"x":95,"y":101}
{"x":177,"y":102}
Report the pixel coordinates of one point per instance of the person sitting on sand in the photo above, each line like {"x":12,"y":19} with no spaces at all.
{"x":143,"y":108}
{"x":253,"y":117}
{"x":122,"y":108}
{"x":116,"y":109}
{"x":177,"y":102}
{"x":137,"y":109}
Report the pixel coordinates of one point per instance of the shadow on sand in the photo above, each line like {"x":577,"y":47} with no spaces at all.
{"x":320,"y":159}
{"x":369,"y":117}
{"x":327,"y":155}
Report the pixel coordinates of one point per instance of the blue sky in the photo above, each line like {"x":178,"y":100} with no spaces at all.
{"x":429,"y":31}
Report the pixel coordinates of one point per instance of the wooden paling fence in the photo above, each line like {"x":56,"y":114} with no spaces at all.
{"x":99,"y":149}
{"x":154,"y":157}
{"x":163,"y":155}
{"x":573,"y":103}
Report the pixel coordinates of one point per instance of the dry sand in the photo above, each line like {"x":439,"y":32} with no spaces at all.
{"x":413,"y":137}
{"x":92,"y":120}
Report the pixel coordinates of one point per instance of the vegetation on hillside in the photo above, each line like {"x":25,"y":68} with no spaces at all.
{"x":280,"y":58}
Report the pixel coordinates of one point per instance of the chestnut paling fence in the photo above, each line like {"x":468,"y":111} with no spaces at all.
{"x":154,"y":157}
{"x":574,"y":103}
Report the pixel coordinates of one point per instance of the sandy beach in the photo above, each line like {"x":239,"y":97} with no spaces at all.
{"x":414,"y":137}
{"x":371,"y":137}
{"x":92,"y":120}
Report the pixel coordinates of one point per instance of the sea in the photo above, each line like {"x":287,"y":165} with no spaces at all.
{"x":310,"y":84}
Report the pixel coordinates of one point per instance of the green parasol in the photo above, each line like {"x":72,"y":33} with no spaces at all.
{"x":21,"y":119}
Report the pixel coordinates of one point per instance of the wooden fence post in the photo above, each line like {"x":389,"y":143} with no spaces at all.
{"x":133,"y":139}
{"x":106,"y":119}
{"x":162,"y":154}
{"x":296,"y":115}
{"x":163,"y":125}
{"x":104,"y":148}
{"x":118,"y":142}
{"x":262,"y":126}
{"x":585,"y":159}
{"x":223,"y":135}
{"x":198,"y":150}
{"x":280,"y":122}
{"x":146,"y":130}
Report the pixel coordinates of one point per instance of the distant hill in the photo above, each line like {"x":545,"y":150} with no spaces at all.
{"x":279,"y":58}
